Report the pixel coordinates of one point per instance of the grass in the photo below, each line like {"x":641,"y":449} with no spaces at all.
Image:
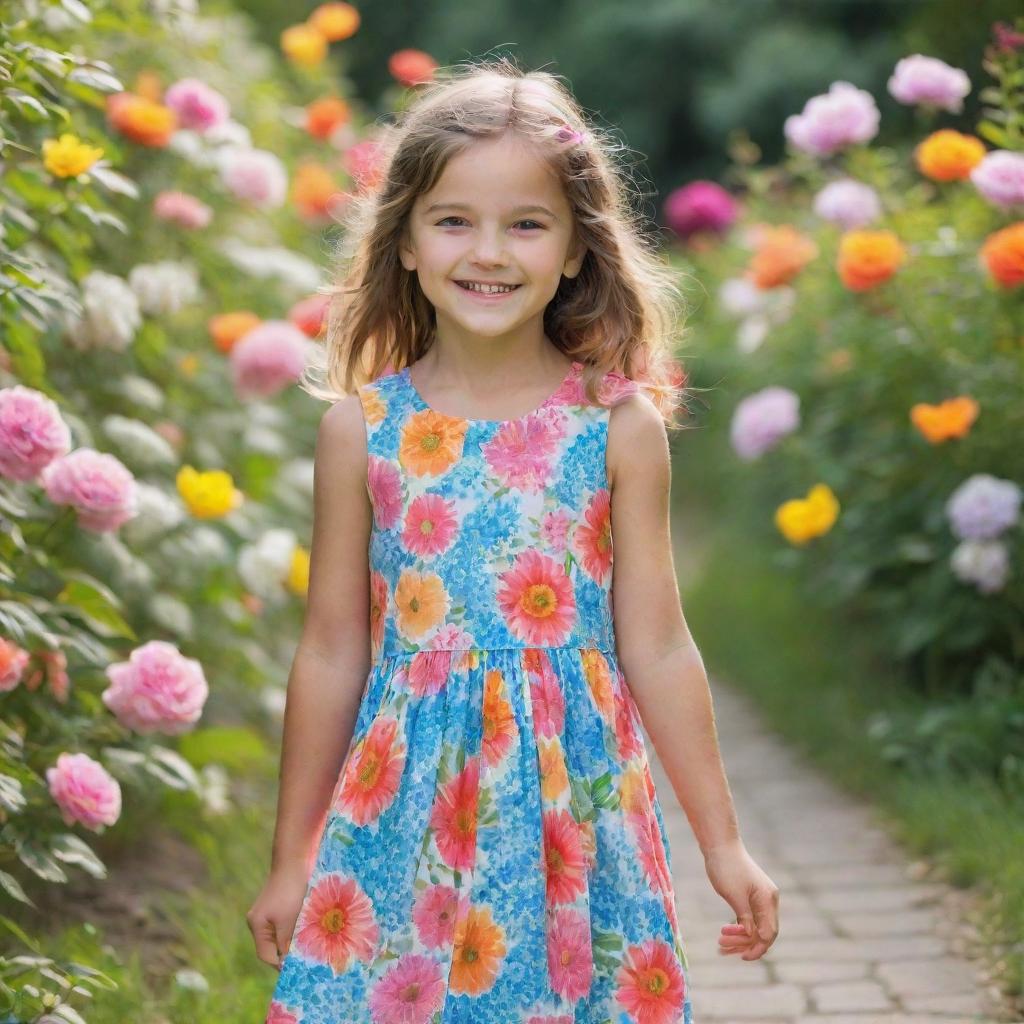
{"x":817,"y":684}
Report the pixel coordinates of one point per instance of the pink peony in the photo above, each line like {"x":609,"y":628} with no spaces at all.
{"x":838,"y":118}
{"x":198,"y":107}
{"x":930,"y":82}
{"x":32,"y":432}
{"x":1000,"y":177}
{"x":99,"y":486}
{"x":254,"y":175}
{"x":157,"y":689}
{"x":182,"y":209}
{"x":362,"y":162}
{"x":849,"y":203}
{"x":699,"y":206}
{"x":13,"y":660}
{"x":762,"y":419}
{"x":84,"y":791}
{"x":268,"y":358}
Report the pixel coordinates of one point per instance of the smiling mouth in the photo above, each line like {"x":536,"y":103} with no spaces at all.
{"x":486,"y":293}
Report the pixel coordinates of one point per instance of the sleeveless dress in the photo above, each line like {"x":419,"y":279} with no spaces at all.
{"x":494,"y":851}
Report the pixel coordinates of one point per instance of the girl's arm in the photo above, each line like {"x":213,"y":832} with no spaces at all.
{"x":664,"y":670}
{"x":332,"y":659}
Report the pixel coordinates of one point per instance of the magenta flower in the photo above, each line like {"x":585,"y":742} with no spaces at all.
{"x":182,"y":209}
{"x":1000,"y":177}
{"x":841,"y":117}
{"x":32,"y":432}
{"x":930,"y":82}
{"x":268,"y":358}
{"x":699,"y":206}
{"x":84,"y":791}
{"x":198,"y":107}
{"x":98,"y":485}
{"x":849,"y":203}
{"x":762,"y":419}
{"x":254,"y":175}
{"x":157,"y":689}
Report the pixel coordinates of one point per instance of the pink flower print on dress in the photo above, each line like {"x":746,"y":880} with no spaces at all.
{"x":593,"y":537}
{"x":570,"y":957}
{"x":373,"y":773}
{"x":337,"y":925}
{"x":434,"y":915}
{"x":536,"y":597}
{"x":521,"y":451}
{"x":453,"y":817}
{"x":385,"y":486}
{"x":651,"y":985}
{"x":565,"y":864}
{"x":430,"y":525}
{"x":427,"y":673}
{"x":554,"y":529}
{"x":411,"y":992}
{"x":547,"y":699}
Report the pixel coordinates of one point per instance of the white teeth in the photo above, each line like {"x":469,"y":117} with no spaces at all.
{"x":487,"y":289}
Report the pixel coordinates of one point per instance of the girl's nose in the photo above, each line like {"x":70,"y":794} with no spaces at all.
{"x":489,"y":248}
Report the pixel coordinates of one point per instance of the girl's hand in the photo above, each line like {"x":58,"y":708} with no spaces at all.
{"x":752,"y":895}
{"x":272,"y":917}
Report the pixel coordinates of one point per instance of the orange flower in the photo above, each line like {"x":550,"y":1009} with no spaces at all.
{"x":148,"y":85}
{"x":867,"y":258}
{"x":1003,"y":253}
{"x":421,"y":602}
{"x":227,"y":328}
{"x":140,"y":119}
{"x":479,"y":952}
{"x":781,"y":252}
{"x":412,"y":67}
{"x":335,"y":21}
{"x":303,"y":44}
{"x":951,"y":418}
{"x":949,"y":155}
{"x":325,"y":115}
{"x":314,"y":192}
{"x":431,"y":443}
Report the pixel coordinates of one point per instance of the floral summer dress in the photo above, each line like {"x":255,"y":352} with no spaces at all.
{"x":494,"y":851}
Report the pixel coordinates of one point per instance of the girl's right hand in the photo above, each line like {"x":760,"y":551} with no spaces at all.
{"x":272,"y":917}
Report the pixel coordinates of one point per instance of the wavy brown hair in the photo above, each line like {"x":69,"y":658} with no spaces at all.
{"x":622,"y":312}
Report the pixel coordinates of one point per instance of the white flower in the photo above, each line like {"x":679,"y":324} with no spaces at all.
{"x":298,"y":473}
{"x":264,"y":565}
{"x":740,"y":297}
{"x":215,"y":791}
{"x":141,"y":391}
{"x":751,"y":333}
{"x":229,"y":133}
{"x":985,"y":563}
{"x":158,"y":513}
{"x":110,"y":313}
{"x":141,"y":446}
{"x":191,"y":979}
{"x":164,"y":287}
{"x":273,"y":261}
{"x":273,"y":700}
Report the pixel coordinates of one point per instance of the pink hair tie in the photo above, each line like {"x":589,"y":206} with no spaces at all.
{"x":569,"y":135}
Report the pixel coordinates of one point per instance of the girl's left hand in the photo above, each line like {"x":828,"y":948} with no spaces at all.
{"x":754,"y":897}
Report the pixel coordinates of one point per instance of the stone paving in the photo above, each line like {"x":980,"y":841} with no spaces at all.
{"x":862,"y":939}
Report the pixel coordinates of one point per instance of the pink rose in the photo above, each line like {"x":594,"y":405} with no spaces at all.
{"x":32,"y":432}
{"x":842,"y":116}
{"x":183,"y":209}
{"x":930,"y":82}
{"x":13,"y":660}
{"x":1000,"y":177}
{"x":849,"y":203}
{"x":198,"y":107}
{"x":254,"y":175}
{"x":762,"y":419}
{"x":98,"y":485}
{"x":268,"y":358}
{"x":157,"y":689}
{"x":699,"y":206}
{"x":84,"y":791}
{"x":362,"y":162}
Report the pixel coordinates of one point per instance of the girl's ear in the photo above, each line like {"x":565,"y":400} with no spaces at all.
{"x":405,"y":253}
{"x":574,"y":261}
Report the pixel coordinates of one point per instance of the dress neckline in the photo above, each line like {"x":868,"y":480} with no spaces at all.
{"x":574,"y":367}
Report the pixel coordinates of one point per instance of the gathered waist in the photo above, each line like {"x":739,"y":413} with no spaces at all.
{"x":398,"y":655}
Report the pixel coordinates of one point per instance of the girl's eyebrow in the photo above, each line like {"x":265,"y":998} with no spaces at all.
{"x":465,"y":206}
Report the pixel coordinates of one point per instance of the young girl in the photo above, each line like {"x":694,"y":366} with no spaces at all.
{"x":468,"y":830}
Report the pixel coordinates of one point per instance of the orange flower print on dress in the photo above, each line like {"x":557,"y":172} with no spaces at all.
{"x":652,"y":986}
{"x":421,"y":602}
{"x":599,"y":679}
{"x":554,"y":777}
{"x":454,"y":817}
{"x":536,"y":598}
{"x":499,"y":720}
{"x":373,"y":773}
{"x":336,"y":926}
{"x":479,"y":951}
{"x":431,"y":443}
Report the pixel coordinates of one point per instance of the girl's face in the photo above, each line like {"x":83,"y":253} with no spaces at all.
{"x":496,"y":215}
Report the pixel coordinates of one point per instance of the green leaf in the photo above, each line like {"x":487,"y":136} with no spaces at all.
{"x":97,"y":604}
{"x":12,"y":799}
{"x":994,"y":134}
{"x":26,"y":357}
{"x":70,"y":849}
{"x":38,"y":860}
{"x":114,"y":181}
{"x":170,"y":767}
{"x":13,"y":887}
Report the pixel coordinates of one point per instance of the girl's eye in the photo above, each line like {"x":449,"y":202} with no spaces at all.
{"x":452,"y":217}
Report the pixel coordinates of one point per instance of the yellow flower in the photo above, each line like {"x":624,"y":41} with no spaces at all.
{"x":209,"y":494}
{"x":68,"y":156}
{"x":800,"y":519}
{"x":189,"y":364}
{"x":297,"y":579}
{"x":304,"y":44}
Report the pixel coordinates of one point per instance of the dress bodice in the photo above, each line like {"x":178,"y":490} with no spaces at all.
{"x":489,"y":533}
